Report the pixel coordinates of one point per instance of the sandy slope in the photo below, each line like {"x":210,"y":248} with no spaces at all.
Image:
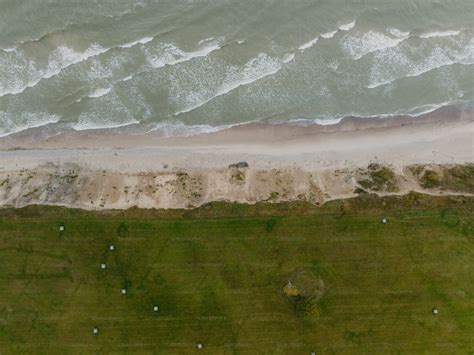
{"x":104,"y":170}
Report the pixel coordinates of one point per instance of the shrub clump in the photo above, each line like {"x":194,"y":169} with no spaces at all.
{"x":270,"y":224}
{"x":379,"y":178}
{"x":305,"y":290}
{"x":430,"y":179}
{"x":459,"y":178}
{"x":455,"y":177}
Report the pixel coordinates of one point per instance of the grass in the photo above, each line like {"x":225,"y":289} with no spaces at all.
{"x":379,"y":178}
{"x":459,"y":178}
{"x":430,"y":179}
{"x":270,"y":278}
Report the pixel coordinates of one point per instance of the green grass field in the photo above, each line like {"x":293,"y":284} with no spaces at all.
{"x":218,"y":275}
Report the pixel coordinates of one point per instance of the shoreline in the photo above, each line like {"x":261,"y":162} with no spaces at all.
{"x":286,"y":163}
{"x":128,"y":137}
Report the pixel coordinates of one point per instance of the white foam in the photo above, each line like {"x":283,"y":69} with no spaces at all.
{"x":347,"y":26}
{"x":12,"y":123}
{"x":174,"y":129}
{"x":100,"y":92}
{"x":12,"y":49}
{"x":172,"y":55}
{"x":60,"y":59}
{"x":398,"y":33}
{"x":394,"y":64}
{"x":308,"y":44}
{"x":144,"y":40}
{"x":240,"y":41}
{"x":310,"y":121}
{"x":370,"y":42}
{"x":329,"y":35}
{"x":327,"y":121}
{"x":86,"y":122}
{"x":439,"y":34}
{"x":206,"y":40}
{"x":311,"y":43}
{"x":254,"y":70}
{"x":169,"y":54}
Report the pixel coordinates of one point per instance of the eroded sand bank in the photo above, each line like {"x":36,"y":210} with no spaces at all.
{"x":97,"y":170}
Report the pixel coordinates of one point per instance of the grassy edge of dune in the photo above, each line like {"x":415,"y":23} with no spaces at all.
{"x":364,"y":203}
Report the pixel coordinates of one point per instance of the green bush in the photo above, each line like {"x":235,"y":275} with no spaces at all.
{"x":271,"y":223}
{"x":430,"y":179}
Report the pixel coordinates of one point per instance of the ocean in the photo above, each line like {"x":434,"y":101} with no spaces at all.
{"x":183,"y":67}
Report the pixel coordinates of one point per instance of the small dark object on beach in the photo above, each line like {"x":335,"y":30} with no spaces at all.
{"x":240,"y":164}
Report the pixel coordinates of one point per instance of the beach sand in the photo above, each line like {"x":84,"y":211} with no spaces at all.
{"x":117,"y":169}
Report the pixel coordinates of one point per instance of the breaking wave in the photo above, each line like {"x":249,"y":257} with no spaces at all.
{"x":439,"y":34}
{"x":370,"y":42}
{"x":326,"y":35}
{"x":60,"y":59}
{"x":393,"y":65}
{"x":254,"y":70}
{"x":13,"y":123}
{"x":100,"y":92}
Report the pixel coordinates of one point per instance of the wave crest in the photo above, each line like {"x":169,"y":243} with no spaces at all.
{"x":257,"y":68}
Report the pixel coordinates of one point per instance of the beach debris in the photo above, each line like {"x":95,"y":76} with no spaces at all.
{"x":95,"y":330}
{"x":111,"y":247}
{"x":123,"y":291}
{"x":156,"y":308}
{"x":240,"y":164}
{"x":103,"y":266}
{"x":199,"y":345}
{"x":61,"y":227}
{"x":384,"y":220}
{"x":435,"y":310}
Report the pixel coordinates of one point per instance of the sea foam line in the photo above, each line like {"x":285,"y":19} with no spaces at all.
{"x":370,"y":42}
{"x":169,"y":57}
{"x":100,"y":92}
{"x":328,"y":121}
{"x":373,"y":41}
{"x":81,"y":126}
{"x":439,"y":34}
{"x":31,"y":120}
{"x":417,"y":73}
{"x":63,"y":57}
{"x":256,"y":69}
{"x":144,"y":40}
{"x":429,"y":63}
{"x":67,"y":57}
{"x":326,"y":35}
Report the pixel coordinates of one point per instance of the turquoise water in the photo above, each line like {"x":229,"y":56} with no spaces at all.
{"x":188,"y":66}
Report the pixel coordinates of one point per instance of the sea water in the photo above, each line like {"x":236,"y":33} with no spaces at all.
{"x":184,"y":67}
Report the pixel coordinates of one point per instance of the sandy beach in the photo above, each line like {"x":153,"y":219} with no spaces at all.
{"x":116,"y":169}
